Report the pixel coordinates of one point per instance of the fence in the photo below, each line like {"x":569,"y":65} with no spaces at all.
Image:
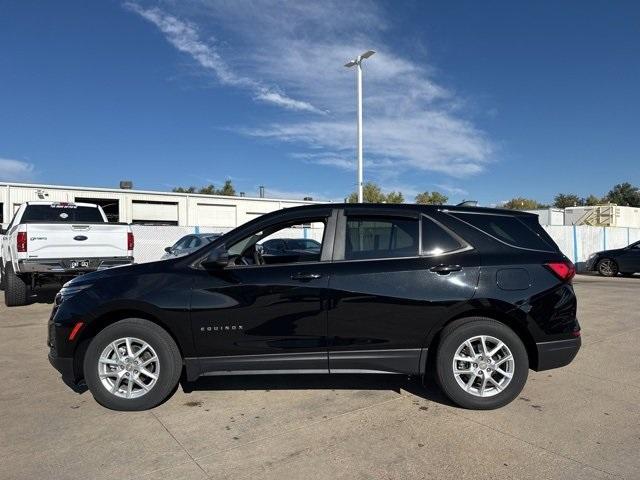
{"x":576,"y":242}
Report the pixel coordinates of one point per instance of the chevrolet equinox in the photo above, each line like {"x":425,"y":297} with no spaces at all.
{"x":477,"y":296}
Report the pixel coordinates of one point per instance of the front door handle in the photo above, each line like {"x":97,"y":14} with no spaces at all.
{"x":445,"y":269}
{"x":305,"y":277}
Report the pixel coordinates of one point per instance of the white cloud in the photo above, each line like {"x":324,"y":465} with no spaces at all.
{"x":184,"y":36}
{"x":413,"y":123}
{"x":452,"y":190}
{"x":15,"y":170}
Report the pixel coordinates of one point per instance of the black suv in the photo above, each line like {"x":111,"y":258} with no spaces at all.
{"x":478,"y":296}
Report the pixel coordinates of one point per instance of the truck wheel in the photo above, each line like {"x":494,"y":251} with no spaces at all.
{"x":131,"y":365}
{"x":481,"y":364}
{"x":2,"y":277}
{"x":15,"y":291}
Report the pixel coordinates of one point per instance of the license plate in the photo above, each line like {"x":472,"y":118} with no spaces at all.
{"x":79,"y":263}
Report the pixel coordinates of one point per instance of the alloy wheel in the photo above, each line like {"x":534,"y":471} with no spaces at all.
{"x":128,"y":367}
{"x":607,"y":268}
{"x":483,"y":366}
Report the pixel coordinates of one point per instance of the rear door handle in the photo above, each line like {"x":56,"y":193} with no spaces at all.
{"x":305,"y":277}
{"x":444,"y":269}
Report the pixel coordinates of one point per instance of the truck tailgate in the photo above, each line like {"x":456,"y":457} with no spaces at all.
{"x":59,"y":240}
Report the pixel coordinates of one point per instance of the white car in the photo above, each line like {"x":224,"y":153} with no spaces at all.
{"x":58,"y":240}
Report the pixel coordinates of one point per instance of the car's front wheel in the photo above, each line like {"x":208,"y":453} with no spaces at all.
{"x":607,"y":267}
{"x":481,"y":363}
{"x":132,"y":364}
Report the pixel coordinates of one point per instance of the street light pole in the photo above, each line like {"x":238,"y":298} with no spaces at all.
{"x":358,"y":64}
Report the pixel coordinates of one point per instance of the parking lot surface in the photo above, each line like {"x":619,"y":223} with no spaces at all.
{"x":581,"y":422}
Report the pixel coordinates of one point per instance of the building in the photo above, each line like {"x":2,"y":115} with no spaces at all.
{"x":603,"y":216}
{"x":147,"y":207}
{"x":549,"y":216}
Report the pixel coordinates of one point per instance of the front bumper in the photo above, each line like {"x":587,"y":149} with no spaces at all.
{"x":58,"y":265}
{"x":557,"y":353}
{"x":591,"y":263}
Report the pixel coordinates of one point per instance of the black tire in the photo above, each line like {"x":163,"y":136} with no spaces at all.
{"x":607,"y":267}
{"x":2,"y":277}
{"x":16,"y":289}
{"x":453,"y":336}
{"x":170,"y":362}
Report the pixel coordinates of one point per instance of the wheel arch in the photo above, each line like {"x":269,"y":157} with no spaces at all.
{"x":109,"y":318}
{"x":493,"y":314}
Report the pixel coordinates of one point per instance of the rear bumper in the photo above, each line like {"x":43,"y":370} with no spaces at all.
{"x":557,"y":353}
{"x":58,"y":265}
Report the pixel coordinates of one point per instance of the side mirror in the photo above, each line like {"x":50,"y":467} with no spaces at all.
{"x":216,"y":259}
{"x":167,"y":249}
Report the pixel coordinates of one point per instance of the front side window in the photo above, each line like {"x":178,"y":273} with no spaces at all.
{"x":266,"y":247}
{"x":381,"y":237}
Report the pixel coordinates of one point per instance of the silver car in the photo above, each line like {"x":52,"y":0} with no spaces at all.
{"x":189,"y":243}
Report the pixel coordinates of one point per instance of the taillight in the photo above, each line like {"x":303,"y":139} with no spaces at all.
{"x":129,"y":240}
{"x":564,"y":270}
{"x":21,"y":242}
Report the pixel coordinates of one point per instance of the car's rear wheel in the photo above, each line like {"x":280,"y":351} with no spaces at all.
{"x":132,"y":364}
{"x":481,"y":364}
{"x":607,"y":267}
{"x":16,"y":289}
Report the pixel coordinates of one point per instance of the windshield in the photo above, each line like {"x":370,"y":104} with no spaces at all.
{"x":61,"y":213}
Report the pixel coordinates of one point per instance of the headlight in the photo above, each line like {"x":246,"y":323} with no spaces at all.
{"x":68,"y":291}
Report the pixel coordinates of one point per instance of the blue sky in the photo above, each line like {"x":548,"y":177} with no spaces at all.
{"x":480,"y":100}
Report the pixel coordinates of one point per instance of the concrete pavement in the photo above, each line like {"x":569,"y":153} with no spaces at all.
{"x":582,"y":421}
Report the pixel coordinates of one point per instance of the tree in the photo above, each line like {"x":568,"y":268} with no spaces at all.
{"x":624,"y":194}
{"x":210,"y":189}
{"x":592,"y":200}
{"x":563,"y":200}
{"x":431,"y":198}
{"x":521,"y":203}
{"x":184,"y":190}
{"x":395,"y":197}
{"x":372,"y":193}
{"x":227,"y":189}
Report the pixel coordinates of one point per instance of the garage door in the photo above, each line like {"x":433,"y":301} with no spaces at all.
{"x":216,"y":215}
{"x":147,"y":211}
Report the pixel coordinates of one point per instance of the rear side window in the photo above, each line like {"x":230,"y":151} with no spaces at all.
{"x":509,"y":229}
{"x":61,"y":213}
{"x":436,"y":240}
{"x":381,"y":237}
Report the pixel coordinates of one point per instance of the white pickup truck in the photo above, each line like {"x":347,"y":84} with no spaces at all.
{"x":56,"y":240}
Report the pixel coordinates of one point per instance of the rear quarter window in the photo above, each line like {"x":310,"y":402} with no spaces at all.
{"x":510,"y":230}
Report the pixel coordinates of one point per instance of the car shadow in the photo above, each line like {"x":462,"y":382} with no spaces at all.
{"x":395,"y":383}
